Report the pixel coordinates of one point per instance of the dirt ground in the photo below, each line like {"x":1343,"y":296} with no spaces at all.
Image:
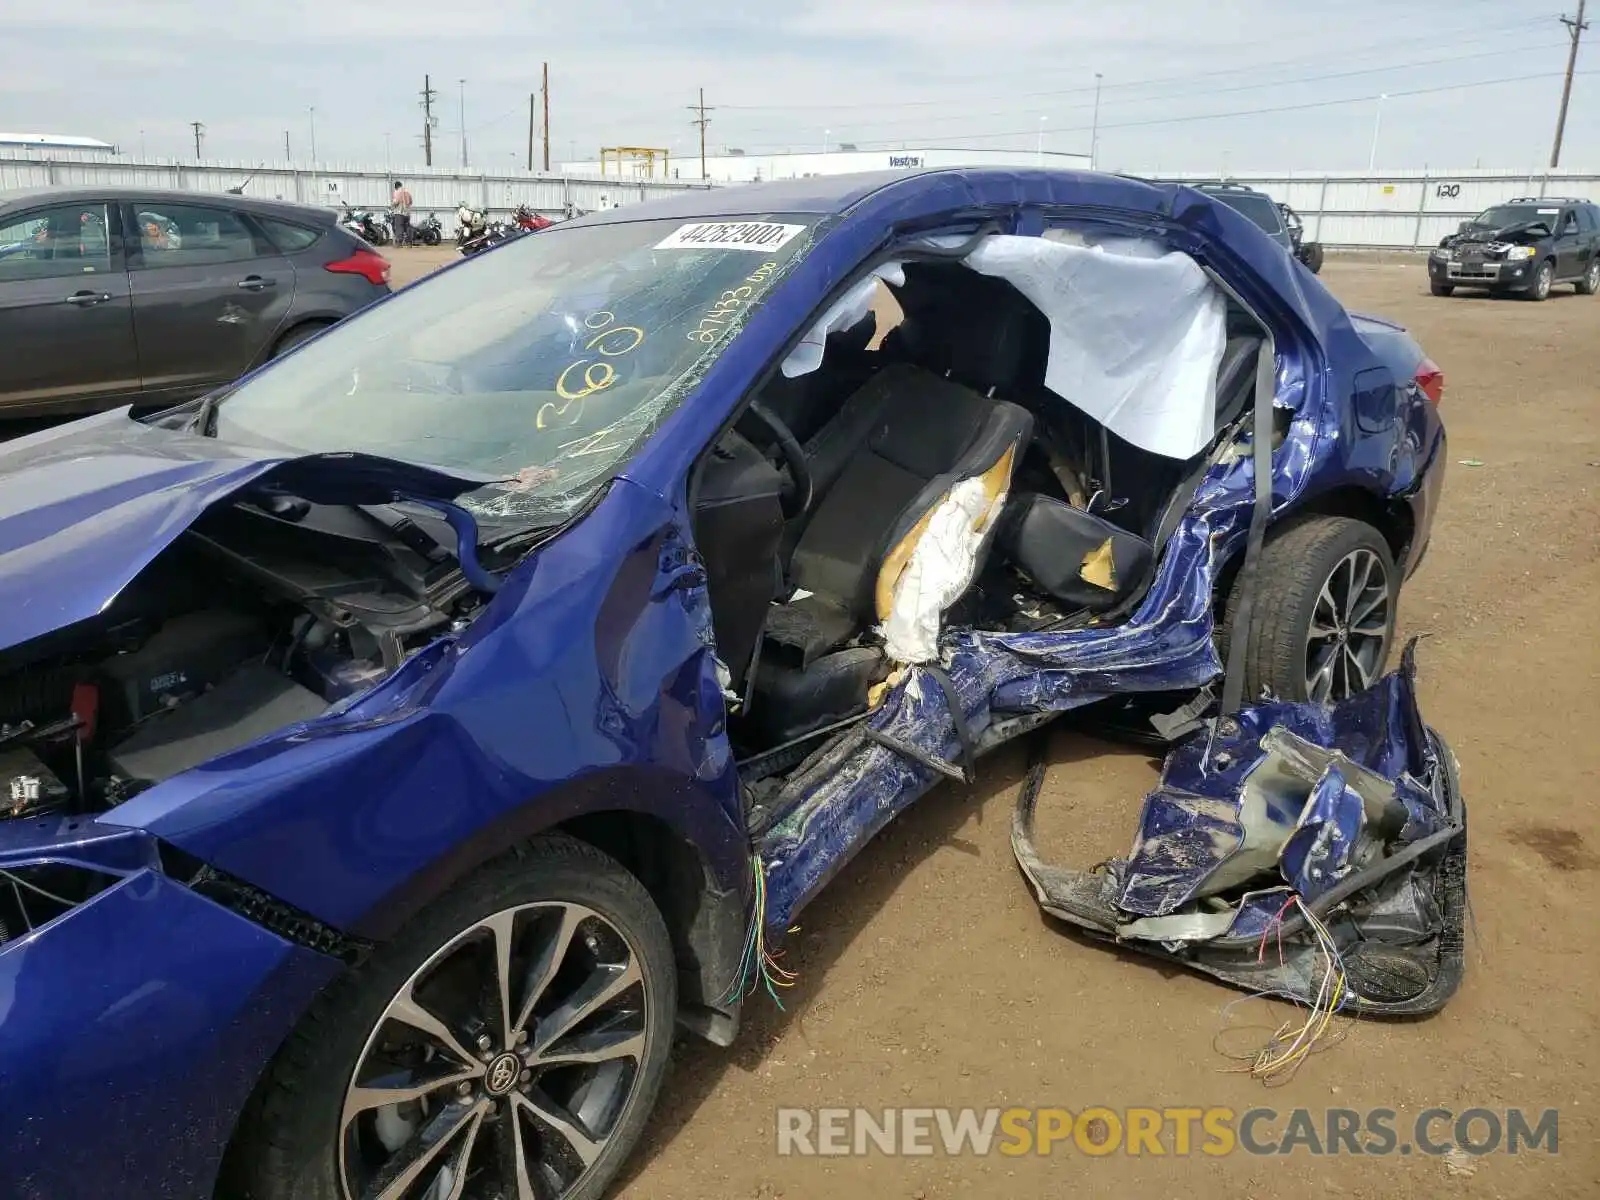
{"x":929,"y":978}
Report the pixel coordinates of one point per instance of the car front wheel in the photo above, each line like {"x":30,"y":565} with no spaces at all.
{"x":1441,"y":289}
{"x":510,"y":1042}
{"x":1543,"y":279}
{"x":1324,"y":611}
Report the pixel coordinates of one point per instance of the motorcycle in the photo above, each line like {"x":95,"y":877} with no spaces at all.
{"x":470,"y":223}
{"x":429,"y":231}
{"x":492,"y":233}
{"x":365,"y":225}
{"x":529,"y":221}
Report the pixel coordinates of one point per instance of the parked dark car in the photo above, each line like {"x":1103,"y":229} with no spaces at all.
{"x":1523,"y":247}
{"x":401,"y":744}
{"x":1277,"y":220}
{"x":117,"y":296}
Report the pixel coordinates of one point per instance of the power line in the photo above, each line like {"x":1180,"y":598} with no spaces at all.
{"x":1442,"y":40}
{"x":1575,"y":27}
{"x":1213,"y":91}
{"x":1249,"y":112}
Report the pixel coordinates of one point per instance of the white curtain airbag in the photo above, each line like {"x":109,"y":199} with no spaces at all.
{"x":1135,"y":340}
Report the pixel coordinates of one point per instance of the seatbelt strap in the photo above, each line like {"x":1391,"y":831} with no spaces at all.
{"x":1260,"y":514}
{"x":967,"y":772}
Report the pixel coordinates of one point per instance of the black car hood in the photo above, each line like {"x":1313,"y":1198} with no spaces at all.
{"x":1524,"y":232}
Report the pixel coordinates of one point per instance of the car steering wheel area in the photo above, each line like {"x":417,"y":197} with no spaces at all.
{"x":797,"y":499}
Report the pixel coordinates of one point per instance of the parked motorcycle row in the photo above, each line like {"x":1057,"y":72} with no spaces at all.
{"x":373,"y":228}
{"x":475,"y":232}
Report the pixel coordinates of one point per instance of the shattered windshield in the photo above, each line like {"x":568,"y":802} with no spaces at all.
{"x":547,"y":361}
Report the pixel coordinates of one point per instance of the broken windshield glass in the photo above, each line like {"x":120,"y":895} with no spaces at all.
{"x":546,"y":362}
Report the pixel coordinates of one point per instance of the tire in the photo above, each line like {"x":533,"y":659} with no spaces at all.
{"x":1590,"y":283}
{"x":1311,"y":255}
{"x":1441,"y":289}
{"x":298,"y":335}
{"x":1297,"y":563}
{"x":1543,"y":279}
{"x":294,"y":1141}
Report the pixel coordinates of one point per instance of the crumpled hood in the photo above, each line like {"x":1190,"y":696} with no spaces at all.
{"x":1520,"y":231}
{"x":85,"y":507}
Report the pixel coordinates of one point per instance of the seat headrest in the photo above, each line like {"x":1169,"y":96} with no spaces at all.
{"x":978,"y":329}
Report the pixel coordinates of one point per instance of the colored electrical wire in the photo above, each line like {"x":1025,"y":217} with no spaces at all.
{"x":758,"y":965}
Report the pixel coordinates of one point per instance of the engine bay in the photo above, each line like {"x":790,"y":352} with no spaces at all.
{"x":264,"y":613}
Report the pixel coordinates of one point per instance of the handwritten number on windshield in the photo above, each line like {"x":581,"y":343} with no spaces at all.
{"x":581,"y":379}
{"x":714,"y":322}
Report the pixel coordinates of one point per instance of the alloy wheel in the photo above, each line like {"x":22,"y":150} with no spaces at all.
{"x":1349,"y":634}
{"x":1543,"y":280}
{"x":1592,"y":282}
{"x":505,"y":1063}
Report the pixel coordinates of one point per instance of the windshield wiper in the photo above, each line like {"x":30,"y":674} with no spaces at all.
{"x":204,"y":422}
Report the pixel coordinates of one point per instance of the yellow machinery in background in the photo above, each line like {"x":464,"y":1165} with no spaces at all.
{"x":643,"y":159}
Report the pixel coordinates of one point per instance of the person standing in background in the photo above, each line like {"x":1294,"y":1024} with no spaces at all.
{"x":400,"y":214}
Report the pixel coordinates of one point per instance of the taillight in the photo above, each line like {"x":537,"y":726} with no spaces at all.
{"x":363,"y":262}
{"x":1431,"y":380}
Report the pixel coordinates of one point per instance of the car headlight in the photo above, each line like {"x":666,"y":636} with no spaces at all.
{"x":1440,"y":252}
{"x":1518,"y":253}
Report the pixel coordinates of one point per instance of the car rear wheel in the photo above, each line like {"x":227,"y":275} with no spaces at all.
{"x":510,"y":1042}
{"x":298,"y":335}
{"x":1590,"y":283}
{"x":1441,"y":289}
{"x":1543,"y":279}
{"x":1324,"y":611}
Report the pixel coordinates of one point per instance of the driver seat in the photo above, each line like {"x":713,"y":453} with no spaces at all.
{"x":926,"y":435}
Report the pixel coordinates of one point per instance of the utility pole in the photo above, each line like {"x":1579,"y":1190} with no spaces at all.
{"x":1094,"y":134}
{"x":533,"y":98}
{"x":701,"y":120}
{"x":287,"y":157}
{"x":1575,"y":27}
{"x":544,"y":90}
{"x":463,"y":108}
{"x":429,"y":95}
{"x":199,"y":135}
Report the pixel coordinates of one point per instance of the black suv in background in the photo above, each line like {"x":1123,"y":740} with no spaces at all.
{"x":1278,"y":221}
{"x":1525,"y":246}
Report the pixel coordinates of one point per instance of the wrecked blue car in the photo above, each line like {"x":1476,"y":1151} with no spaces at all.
{"x":401,"y":742}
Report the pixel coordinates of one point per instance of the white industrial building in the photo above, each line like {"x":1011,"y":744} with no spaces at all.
{"x":54,"y":145}
{"x":735,"y":166}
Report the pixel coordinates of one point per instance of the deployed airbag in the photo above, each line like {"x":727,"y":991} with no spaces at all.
{"x":1135,"y":340}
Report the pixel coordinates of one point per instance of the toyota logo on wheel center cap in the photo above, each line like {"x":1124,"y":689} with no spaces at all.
{"x":503,"y":1073}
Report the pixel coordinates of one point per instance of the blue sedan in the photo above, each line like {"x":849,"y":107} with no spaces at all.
{"x":400,"y":742}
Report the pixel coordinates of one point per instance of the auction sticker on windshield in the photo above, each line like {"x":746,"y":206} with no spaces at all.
{"x":764,"y":236}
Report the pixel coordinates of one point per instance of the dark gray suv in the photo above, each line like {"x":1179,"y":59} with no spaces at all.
{"x":114,"y":296}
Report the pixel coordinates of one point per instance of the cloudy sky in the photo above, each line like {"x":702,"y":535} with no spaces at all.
{"x":1187,"y":84}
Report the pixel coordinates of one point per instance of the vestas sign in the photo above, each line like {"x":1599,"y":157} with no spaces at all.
{"x":905,"y":160}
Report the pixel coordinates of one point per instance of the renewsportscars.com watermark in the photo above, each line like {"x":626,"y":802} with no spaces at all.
{"x":1099,"y":1131}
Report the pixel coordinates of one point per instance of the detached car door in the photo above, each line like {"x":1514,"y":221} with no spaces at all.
{"x":210,"y":293}
{"x":65,"y":319}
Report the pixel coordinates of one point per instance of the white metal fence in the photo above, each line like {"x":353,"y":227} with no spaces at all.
{"x":1404,"y":209}
{"x":433,"y":189}
{"x":1395,"y":210}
